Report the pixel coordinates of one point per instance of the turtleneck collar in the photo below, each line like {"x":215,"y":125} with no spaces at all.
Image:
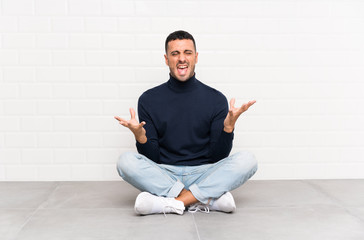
{"x":182,"y":86}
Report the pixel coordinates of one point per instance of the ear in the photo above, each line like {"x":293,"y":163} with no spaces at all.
{"x":166,"y":59}
{"x":196,"y":57}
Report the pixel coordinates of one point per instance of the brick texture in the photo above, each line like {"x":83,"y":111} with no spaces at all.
{"x":67,"y":67}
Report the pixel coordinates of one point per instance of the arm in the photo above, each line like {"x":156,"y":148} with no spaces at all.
{"x":145,"y":145}
{"x":145,"y":134}
{"x":135,"y":127}
{"x":150,"y":148}
{"x":222,"y":129}
{"x":220,"y":141}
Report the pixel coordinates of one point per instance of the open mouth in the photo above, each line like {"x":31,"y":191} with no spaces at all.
{"x":182,"y":69}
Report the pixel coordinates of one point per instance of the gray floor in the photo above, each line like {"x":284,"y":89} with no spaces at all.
{"x":294,"y":210}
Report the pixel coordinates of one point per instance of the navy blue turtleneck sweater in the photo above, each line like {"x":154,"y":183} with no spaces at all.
{"x":184,"y":123}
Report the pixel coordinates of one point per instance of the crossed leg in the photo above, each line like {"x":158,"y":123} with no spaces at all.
{"x":218,"y":179}
{"x":187,"y":197}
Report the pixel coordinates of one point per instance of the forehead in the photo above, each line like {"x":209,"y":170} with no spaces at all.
{"x":180,"y":45}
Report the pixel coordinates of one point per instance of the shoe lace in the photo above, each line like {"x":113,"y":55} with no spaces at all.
{"x":168,"y":209}
{"x":199,"y":207}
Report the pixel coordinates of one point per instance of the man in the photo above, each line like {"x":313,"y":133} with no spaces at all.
{"x":184,"y":138}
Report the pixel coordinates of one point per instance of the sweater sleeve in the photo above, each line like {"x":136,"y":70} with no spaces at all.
{"x":150,"y":149}
{"x":221,"y":142}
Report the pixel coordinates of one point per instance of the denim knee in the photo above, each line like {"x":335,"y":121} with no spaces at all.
{"x":247,"y":159}
{"x":245,"y":162}
{"x":125,"y":163}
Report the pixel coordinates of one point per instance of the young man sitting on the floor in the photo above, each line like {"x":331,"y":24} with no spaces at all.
{"x":184,"y":138}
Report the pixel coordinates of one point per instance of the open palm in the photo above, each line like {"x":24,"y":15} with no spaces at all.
{"x":234,"y":113}
{"x":134,"y":126}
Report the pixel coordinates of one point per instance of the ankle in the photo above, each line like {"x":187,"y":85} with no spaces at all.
{"x":187,"y":198}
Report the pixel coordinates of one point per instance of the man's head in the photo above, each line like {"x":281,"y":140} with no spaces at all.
{"x":181,"y":55}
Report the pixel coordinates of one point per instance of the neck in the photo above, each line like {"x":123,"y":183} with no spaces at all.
{"x":178,"y":85}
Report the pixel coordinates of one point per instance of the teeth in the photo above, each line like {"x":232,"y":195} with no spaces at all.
{"x":182,"y":67}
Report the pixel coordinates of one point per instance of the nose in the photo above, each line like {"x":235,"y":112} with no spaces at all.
{"x":182,"y":58}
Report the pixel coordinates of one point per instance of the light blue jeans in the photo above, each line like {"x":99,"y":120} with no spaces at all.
{"x":206,"y":182}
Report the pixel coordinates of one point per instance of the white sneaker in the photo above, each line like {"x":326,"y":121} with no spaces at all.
{"x":147,"y":203}
{"x":225,"y":203}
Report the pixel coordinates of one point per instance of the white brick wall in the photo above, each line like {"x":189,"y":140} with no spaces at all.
{"x":68,"y":66}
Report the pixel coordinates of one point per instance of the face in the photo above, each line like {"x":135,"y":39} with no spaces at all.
{"x":181,"y":59}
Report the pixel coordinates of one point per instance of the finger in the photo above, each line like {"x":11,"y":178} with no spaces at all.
{"x":232,"y":103}
{"x":246,"y":106}
{"x":142,"y":124}
{"x":132,"y":113}
{"x":251,"y":102}
{"x":125,"y":124}
{"x":120,"y":119}
{"x":243,"y":108}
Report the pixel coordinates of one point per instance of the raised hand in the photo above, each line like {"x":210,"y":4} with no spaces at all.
{"x":234,"y":113}
{"x":134,"y":126}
